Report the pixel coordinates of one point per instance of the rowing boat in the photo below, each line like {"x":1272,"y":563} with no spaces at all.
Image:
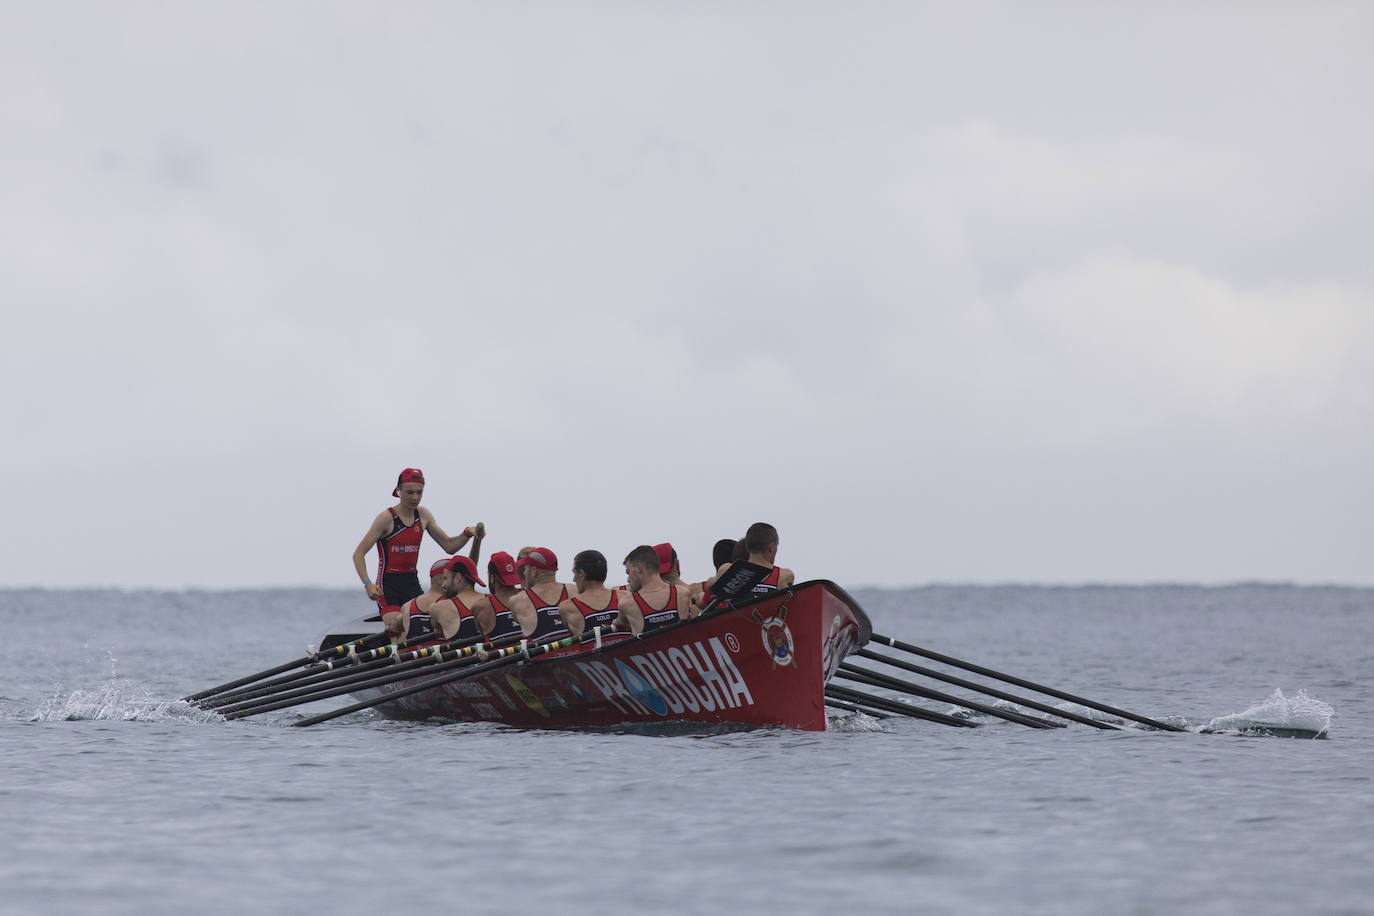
{"x":762,"y":663}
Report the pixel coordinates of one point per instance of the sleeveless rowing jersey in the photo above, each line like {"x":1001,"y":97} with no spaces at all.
{"x":506,"y":624}
{"x":467,"y":624}
{"x":549,"y":623}
{"x":769,"y":583}
{"x":653,"y":619}
{"x":420,"y":623}
{"x":397,"y":553}
{"x":602,"y":618}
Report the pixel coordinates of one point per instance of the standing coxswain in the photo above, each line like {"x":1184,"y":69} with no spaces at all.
{"x":397,"y":532}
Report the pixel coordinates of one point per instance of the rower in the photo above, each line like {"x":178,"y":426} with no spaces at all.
{"x":651,"y":603}
{"x":759,"y":546}
{"x":594,"y":605}
{"x":494,"y":615}
{"x":452,"y":615}
{"x":537,"y":606}
{"x":668,"y":566}
{"x":413,"y":618}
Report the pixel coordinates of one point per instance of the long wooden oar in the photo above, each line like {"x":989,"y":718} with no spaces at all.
{"x":1020,"y":682}
{"x":372,"y":659}
{"x":430,"y":658}
{"x":847,"y":694}
{"x":990,"y":691}
{"x":338,"y":651}
{"x":874,"y":679}
{"x":507,"y":656}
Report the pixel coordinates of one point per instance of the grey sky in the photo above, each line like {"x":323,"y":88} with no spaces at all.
{"x":988,"y":292}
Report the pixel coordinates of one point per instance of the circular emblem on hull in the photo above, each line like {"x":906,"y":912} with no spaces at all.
{"x":777,"y":640}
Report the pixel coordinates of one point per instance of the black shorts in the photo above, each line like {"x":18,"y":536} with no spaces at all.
{"x":398,"y":588}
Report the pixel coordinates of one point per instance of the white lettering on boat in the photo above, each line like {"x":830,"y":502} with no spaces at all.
{"x":669,"y":673}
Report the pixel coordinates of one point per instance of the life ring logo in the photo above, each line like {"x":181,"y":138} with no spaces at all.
{"x":777,"y":640}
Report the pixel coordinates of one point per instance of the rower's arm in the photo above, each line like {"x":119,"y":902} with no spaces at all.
{"x":485,"y":614}
{"x":684,"y":604}
{"x":444,"y":617}
{"x":525,"y":614}
{"x":630,"y":618}
{"x":572,"y":618}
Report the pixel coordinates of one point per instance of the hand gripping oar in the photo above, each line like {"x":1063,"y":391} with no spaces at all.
{"x":874,"y":679}
{"x":1019,"y":682}
{"x":504,"y":657}
{"x":338,"y":651}
{"x":983,"y":688}
{"x":835,"y":691}
{"x":431,"y":658}
{"x":374,"y":658}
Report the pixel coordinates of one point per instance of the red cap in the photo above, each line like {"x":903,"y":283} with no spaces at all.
{"x":501,"y":568}
{"x":540,"y":558}
{"x":665,"y":553}
{"x":409,"y":475}
{"x":439,"y":566}
{"x":468,"y":567}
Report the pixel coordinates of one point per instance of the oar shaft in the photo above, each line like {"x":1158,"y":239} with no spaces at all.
{"x":903,"y":709}
{"x":373,"y":658}
{"x":334,"y":652}
{"x":983,"y":688}
{"x":1021,"y":682}
{"x":874,"y":679}
{"x":507,"y":656}
{"x":418,"y":666}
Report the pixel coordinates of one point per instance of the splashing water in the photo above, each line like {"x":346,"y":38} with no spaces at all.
{"x":119,"y":699}
{"x":853,"y":722}
{"x":1299,"y":716}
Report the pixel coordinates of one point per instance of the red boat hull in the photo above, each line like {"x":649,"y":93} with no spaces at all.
{"x":764,"y":663}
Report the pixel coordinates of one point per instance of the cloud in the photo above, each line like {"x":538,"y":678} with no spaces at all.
{"x":893,"y":278}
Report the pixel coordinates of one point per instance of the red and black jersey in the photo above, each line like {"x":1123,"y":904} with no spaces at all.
{"x":467,"y":624}
{"x":505,"y":624}
{"x":601,"y":618}
{"x":398,"y":551}
{"x":654,"y":619}
{"x":769,"y":583}
{"x":419,"y":622}
{"x":548,"y":622}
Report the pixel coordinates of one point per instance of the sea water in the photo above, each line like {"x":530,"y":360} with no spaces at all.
{"x":117,"y":798}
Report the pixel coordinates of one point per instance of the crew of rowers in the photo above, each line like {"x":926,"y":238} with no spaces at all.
{"x":524,"y":595}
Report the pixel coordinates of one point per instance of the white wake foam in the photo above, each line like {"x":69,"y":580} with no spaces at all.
{"x":120,"y":699}
{"x":1295,"y":716}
